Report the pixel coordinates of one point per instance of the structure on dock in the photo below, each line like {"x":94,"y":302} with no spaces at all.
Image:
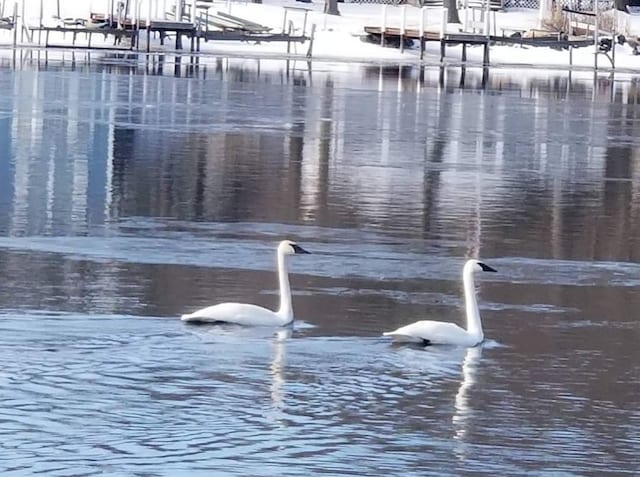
{"x":483,"y":32}
{"x":193,"y":20}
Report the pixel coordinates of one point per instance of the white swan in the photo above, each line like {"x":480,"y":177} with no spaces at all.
{"x":438,"y":332}
{"x":252,"y":315}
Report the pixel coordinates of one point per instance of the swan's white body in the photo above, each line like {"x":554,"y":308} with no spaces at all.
{"x":253,"y":315}
{"x":438,"y":332}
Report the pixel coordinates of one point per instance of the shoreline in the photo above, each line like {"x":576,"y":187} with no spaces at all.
{"x":428,"y":63}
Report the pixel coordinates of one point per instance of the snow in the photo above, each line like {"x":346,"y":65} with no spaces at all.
{"x":337,"y":38}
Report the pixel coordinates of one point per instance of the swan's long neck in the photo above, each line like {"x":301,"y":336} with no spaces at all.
{"x":286,"y":310}
{"x":474,"y":326}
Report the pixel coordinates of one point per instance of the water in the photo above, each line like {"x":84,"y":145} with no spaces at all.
{"x":130,"y":195}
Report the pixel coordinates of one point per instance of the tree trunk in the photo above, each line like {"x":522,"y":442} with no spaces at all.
{"x":621,"y":5}
{"x":452,"y":6}
{"x":331,"y":7}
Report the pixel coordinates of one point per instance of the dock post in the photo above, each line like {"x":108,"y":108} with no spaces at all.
{"x":485,"y":55}
{"x":403,"y":24}
{"x":22,"y":24}
{"x":422,"y":12}
{"x":595,"y":35}
{"x":15,"y":24}
{"x":443,"y":29}
{"x":487,"y":18}
{"x":613,"y":48}
{"x":465,"y":21}
{"x":149,"y":28}
{"x":464,"y":52}
{"x":383,"y":27}
{"x":40,"y":23}
{"x":570,"y":55}
{"x":313,"y":34}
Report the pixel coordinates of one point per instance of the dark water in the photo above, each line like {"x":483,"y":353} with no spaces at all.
{"x":131,"y":193}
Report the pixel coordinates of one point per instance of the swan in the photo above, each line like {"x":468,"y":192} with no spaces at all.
{"x":438,"y":332}
{"x":252,"y":315}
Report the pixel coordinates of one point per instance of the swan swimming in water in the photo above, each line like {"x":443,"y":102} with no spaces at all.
{"x":438,"y":332}
{"x":252,"y":315}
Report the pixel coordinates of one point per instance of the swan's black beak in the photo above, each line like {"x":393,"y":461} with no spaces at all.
{"x":486,"y":268}
{"x":298,"y":249}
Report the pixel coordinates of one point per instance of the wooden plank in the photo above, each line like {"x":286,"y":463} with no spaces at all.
{"x":248,"y":36}
{"x":243,"y":22}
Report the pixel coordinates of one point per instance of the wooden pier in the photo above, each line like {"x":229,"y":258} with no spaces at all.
{"x":400,"y":37}
{"x":193,"y":25}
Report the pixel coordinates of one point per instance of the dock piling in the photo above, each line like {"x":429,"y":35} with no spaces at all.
{"x":313,"y":34}
{"x":422,"y":25}
{"x":383,"y":27}
{"x":443,"y":29}
{"x":149,"y":27}
{"x":15,"y":23}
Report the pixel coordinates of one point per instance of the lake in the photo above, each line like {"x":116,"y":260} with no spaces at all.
{"x":133,"y":190}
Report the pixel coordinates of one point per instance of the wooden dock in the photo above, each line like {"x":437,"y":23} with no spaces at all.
{"x":230,"y":29}
{"x":402,"y":38}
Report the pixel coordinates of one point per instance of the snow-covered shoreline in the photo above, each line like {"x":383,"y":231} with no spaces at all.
{"x":339,"y":38}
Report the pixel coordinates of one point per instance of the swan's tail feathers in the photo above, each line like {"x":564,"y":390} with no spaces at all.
{"x":191,"y":317}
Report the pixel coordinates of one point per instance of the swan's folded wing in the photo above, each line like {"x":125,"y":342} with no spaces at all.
{"x":436,"y":332}
{"x":239,"y":313}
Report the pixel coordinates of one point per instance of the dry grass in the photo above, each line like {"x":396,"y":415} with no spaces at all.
{"x":557,"y":21}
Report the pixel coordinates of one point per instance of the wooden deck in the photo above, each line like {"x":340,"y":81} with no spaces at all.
{"x":395,"y":36}
{"x":166,"y":28}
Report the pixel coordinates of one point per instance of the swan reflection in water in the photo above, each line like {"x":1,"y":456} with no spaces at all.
{"x":276,"y":371}
{"x":463,"y":404}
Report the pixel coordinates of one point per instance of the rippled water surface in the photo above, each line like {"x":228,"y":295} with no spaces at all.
{"x":134,"y":190}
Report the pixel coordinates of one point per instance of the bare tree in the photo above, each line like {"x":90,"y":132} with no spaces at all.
{"x":621,"y":5}
{"x":331,"y":7}
{"x":452,"y":9}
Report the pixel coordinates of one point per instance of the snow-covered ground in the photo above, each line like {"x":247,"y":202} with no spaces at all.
{"x":337,"y":38}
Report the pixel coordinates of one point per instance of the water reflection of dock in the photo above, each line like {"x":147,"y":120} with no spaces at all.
{"x":205,"y":168}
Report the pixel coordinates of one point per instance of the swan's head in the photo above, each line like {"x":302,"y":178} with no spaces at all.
{"x":287,"y":247}
{"x":477,"y":266}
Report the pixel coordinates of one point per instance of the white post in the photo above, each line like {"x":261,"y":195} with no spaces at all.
{"x":15,"y":23}
{"x":465,"y":20}
{"x":164,"y":9}
{"x":595,"y":34}
{"x":41,"y":11}
{"x":21,"y":22}
{"x":423,"y":10}
{"x":487,"y":18}
{"x":178,"y":15}
{"x":148,"y":25}
{"x":193,"y":11}
{"x":443,"y":23}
